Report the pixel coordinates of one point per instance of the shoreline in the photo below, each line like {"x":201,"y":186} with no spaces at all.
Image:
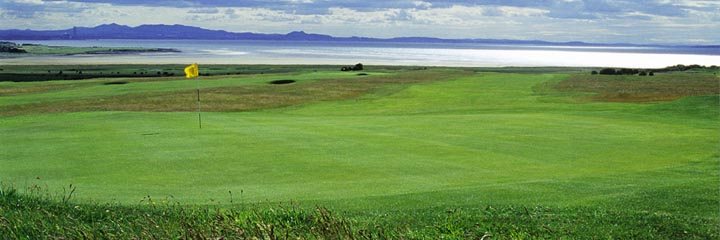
{"x":390,"y":55}
{"x":13,"y":50}
{"x":483,"y":58}
{"x":171,"y":58}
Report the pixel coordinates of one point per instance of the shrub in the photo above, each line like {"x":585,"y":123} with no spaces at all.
{"x":357,"y":67}
{"x":607,"y":71}
{"x":626,"y":71}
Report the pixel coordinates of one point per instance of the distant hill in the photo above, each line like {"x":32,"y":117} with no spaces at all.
{"x":115,"y":31}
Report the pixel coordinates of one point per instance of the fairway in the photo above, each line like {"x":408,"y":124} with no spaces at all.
{"x":392,"y":140}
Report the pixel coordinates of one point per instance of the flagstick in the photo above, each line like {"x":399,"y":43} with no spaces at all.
{"x":197,"y":83}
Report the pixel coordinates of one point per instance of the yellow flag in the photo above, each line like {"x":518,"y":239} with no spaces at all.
{"x":192,"y":71}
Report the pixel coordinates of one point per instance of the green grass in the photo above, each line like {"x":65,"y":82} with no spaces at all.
{"x":404,"y":149}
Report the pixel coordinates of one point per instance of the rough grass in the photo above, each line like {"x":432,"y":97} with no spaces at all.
{"x":217,"y":99}
{"x":19,"y":90}
{"x":35,"y":73}
{"x":38,"y":216}
{"x":630,"y":88}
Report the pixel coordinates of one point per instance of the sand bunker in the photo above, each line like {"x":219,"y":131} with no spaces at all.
{"x":285,"y":81}
{"x":115,"y":83}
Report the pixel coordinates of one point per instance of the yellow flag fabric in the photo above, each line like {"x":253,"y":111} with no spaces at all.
{"x":192,"y":71}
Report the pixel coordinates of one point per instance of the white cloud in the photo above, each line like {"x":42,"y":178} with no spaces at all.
{"x":204,"y":10}
{"x":422,"y":4}
{"x":423,"y":18}
{"x":697,"y":3}
{"x":33,"y":2}
{"x":522,"y":12}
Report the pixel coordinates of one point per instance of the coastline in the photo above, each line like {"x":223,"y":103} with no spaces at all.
{"x":314,"y":53}
{"x":506,"y":58}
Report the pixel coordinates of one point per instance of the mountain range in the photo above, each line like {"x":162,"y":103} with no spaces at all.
{"x":115,"y":31}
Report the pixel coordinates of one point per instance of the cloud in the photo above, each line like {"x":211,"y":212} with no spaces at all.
{"x":28,"y":9}
{"x":613,"y":9}
{"x":400,"y":15}
{"x":578,"y":9}
{"x":556,"y":20}
{"x":204,"y":10}
{"x":422,"y":4}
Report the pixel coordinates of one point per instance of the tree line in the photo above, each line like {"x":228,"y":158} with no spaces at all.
{"x":651,"y":72}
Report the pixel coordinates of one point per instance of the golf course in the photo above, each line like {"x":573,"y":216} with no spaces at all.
{"x":395,"y":152}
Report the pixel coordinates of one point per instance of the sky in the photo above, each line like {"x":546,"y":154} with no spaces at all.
{"x":599,"y":21}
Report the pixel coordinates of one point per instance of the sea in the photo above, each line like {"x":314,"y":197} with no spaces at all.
{"x":380,"y":53}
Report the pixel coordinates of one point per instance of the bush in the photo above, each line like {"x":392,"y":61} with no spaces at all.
{"x":357,"y":67}
{"x":607,"y":71}
{"x":626,"y":71}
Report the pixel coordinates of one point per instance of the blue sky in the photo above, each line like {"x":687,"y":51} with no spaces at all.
{"x":604,"y":21}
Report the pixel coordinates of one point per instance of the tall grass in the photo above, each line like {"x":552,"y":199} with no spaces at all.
{"x":42,"y":216}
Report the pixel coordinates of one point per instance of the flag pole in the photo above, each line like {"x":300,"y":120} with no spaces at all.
{"x":192,"y":71}
{"x":197,"y":84}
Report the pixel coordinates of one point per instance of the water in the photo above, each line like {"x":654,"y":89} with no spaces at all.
{"x":347,"y":53}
